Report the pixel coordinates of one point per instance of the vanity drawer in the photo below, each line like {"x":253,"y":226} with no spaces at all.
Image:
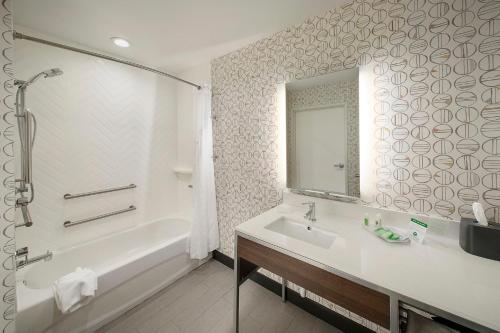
{"x":359,"y":299}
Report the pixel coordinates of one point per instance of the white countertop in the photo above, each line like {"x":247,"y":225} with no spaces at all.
{"x":438,"y":272}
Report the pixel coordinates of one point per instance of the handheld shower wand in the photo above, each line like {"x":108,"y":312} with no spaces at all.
{"x":26,"y":123}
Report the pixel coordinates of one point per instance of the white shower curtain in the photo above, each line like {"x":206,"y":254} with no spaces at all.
{"x":204,"y":229}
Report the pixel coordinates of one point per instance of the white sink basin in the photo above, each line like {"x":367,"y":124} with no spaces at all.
{"x":294,"y":229}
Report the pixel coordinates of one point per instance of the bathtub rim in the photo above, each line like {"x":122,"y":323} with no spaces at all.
{"x":30,"y":297}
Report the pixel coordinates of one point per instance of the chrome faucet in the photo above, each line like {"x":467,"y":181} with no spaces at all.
{"x":311,"y":212}
{"x":22,"y":259}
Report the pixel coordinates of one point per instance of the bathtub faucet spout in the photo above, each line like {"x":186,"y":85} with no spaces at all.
{"x":22,"y":259}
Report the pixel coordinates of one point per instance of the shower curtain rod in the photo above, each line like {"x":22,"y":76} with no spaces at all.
{"x":18,"y":35}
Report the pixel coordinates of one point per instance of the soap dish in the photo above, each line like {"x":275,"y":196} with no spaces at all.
{"x":385,"y":232}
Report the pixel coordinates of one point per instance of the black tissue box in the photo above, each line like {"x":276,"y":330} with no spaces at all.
{"x":479,"y":240}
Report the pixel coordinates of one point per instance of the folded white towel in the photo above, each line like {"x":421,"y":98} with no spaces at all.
{"x":75,"y":290}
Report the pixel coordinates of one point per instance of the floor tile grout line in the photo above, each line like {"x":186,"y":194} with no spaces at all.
{"x":216,"y":291}
{"x":148,"y":300}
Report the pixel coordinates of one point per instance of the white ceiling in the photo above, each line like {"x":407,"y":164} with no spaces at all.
{"x":171,"y":34}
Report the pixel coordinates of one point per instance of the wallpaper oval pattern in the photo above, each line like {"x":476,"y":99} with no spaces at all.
{"x":436,"y":78}
{"x":7,"y":209}
{"x":436,"y":105}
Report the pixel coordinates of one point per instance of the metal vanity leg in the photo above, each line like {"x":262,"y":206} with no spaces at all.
{"x":236,"y":308}
{"x":283,"y":289}
{"x":394,"y":314}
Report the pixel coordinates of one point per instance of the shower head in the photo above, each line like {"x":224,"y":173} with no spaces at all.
{"x":48,"y":73}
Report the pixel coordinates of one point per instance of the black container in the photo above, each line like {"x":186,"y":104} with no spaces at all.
{"x":479,"y":240}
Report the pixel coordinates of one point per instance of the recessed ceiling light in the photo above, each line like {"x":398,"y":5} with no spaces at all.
{"x":121,"y":42}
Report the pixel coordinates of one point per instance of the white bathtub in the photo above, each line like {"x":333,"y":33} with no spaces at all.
{"x":131,"y":266}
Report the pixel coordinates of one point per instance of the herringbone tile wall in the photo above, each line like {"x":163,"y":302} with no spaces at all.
{"x":100,"y":125}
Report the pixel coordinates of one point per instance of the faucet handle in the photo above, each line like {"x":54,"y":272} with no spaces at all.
{"x":48,"y":255}
{"x":22,"y":251}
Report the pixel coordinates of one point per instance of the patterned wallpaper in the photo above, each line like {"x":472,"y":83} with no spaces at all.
{"x":436,"y":105}
{"x":7,"y":134}
{"x":345,"y":93}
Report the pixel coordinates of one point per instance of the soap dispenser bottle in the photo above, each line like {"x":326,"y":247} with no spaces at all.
{"x":366,"y":221}
{"x":378,"y":221}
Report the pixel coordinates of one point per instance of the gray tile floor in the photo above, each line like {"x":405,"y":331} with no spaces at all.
{"x":202,"y":302}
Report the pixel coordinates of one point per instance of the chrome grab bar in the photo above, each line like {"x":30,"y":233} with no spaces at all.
{"x":98,"y":217}
{"x":68,"y":196}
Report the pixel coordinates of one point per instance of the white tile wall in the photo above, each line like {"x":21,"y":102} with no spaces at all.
{"x":101,"y":124}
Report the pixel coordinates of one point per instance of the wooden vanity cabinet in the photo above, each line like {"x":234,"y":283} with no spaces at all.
{"x":366,"y":302}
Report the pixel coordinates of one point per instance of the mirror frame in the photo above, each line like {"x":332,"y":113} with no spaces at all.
{"x":324,"y":194}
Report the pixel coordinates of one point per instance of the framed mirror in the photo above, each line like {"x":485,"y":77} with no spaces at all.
{"x":322,"y":115}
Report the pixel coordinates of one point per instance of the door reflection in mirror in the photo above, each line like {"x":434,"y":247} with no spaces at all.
{"x":322,"y":133}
